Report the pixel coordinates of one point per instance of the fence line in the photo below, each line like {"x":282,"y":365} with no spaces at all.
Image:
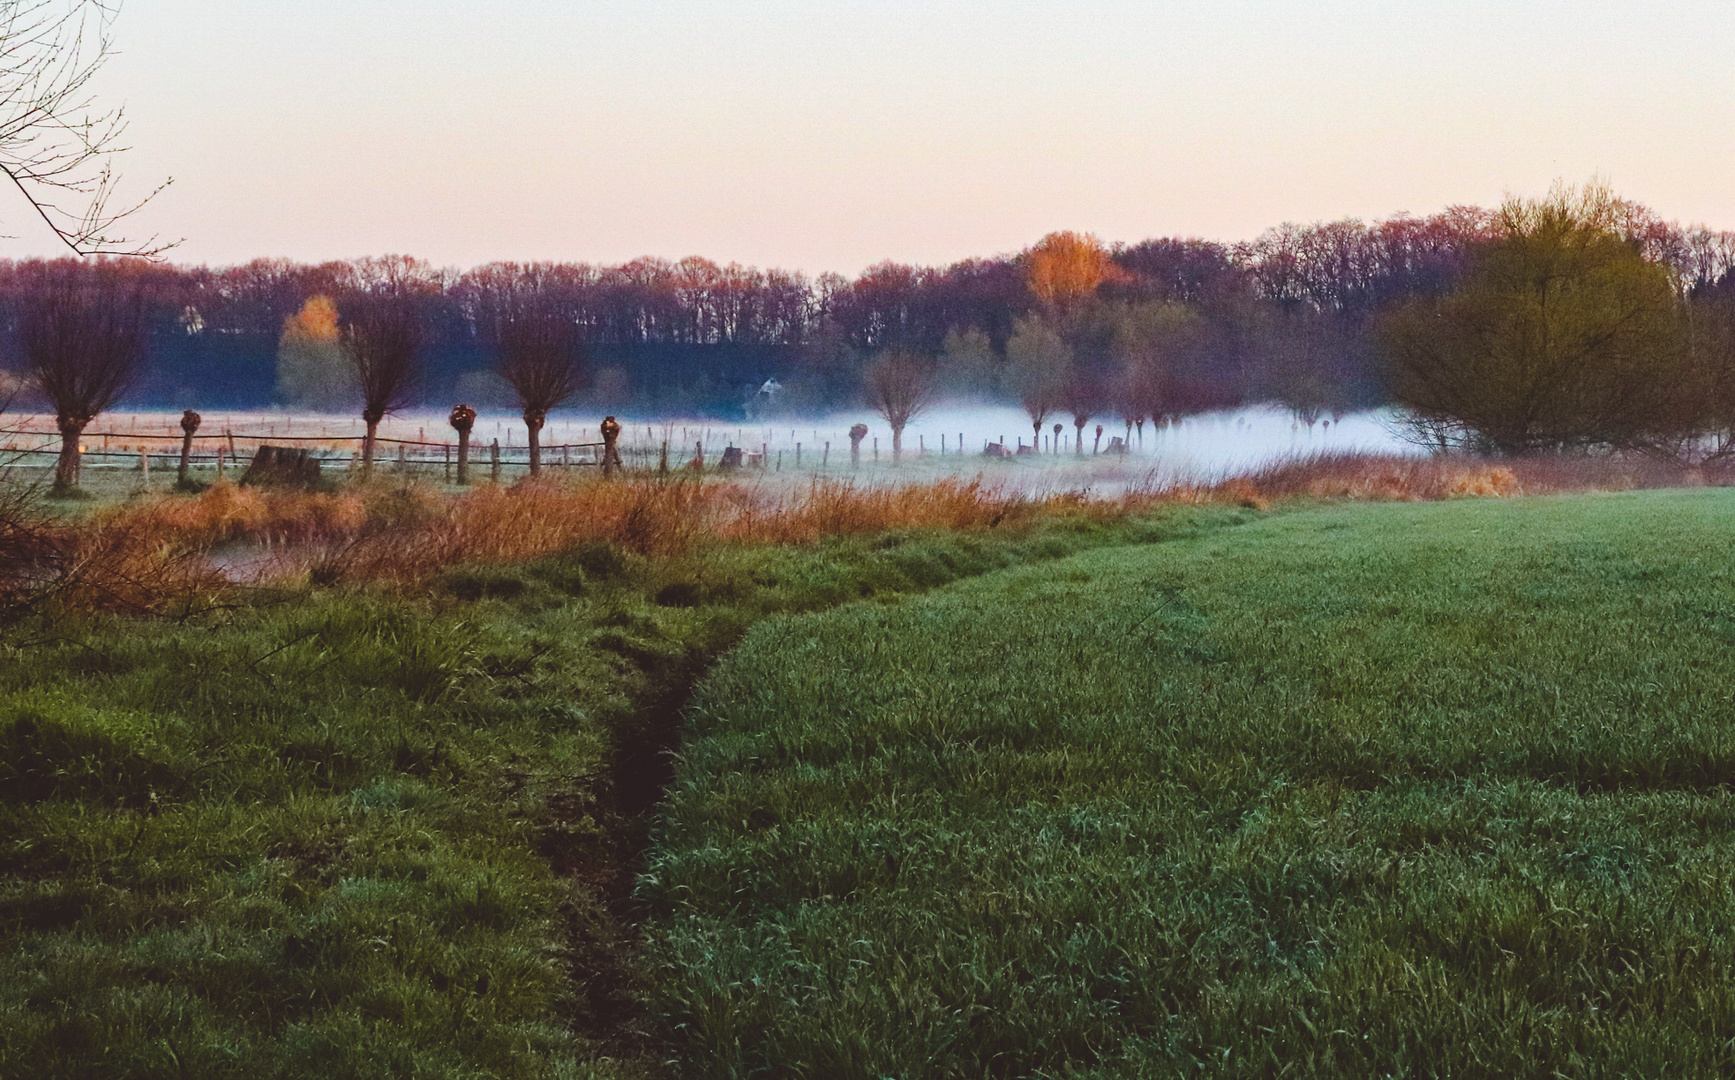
{"x":229,"y":436}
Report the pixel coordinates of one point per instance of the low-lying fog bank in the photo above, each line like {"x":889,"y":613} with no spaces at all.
{"x":1204,"y":447}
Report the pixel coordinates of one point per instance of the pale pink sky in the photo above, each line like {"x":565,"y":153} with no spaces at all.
{"x":828,"y":136}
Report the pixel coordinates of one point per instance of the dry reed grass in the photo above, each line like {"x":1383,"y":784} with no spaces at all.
{"x":1353,"y":476}
{"x":151,"y":554}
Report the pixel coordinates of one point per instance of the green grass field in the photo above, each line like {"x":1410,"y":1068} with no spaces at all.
{"x":1437,"y":790}
{"x":352,"y":833}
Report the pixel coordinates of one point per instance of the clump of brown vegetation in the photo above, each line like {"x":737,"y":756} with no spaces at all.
{"x":155,"y":554}
{"x":104,"y":564}
{"x":1379,"y":477}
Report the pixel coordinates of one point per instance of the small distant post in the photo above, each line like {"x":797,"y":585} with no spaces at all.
{"x":856,"y":435}
{"x":876,"y":447}
{"x":825,"y":455}
{"x":494,"y":460}
{"x":463,"y":419}
{"x":611,"y":457}
{"x":219,"y":461}
{"x":663,"y":459}
{"x":698,"y":462}
{"x":798,"y":455}
{"x":144,"y":468}
{"x":189,"y":424}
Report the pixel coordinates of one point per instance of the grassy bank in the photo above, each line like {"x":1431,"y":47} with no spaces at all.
{"x":383,"y":831}
{"x":1406,"y":790}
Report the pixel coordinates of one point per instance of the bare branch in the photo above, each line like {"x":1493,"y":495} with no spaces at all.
{"x":56,"y":147}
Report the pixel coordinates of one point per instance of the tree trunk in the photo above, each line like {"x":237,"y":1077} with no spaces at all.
{"x":186,"y":460}
{"x":1078,"y":439}
{"x":463,"y":458}
{"x":367,"y":449}
{"x":66,"y":469}
{"x":897,"y":443}
{"x":534,"y":427}
{"x":1036,"y":437}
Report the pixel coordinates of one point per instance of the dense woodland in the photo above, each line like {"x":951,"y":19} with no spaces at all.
{"x":1301,"y":315}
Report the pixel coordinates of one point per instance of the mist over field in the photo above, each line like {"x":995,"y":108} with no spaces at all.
{"x":1205,"y":447}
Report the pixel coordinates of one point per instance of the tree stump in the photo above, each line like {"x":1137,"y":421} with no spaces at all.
{"x":281,"y":466}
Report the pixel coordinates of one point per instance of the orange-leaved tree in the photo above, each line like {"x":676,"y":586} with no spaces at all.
{"x":1064,"y":268}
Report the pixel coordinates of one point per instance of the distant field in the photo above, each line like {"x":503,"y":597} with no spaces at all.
{"x":1356,"y":790}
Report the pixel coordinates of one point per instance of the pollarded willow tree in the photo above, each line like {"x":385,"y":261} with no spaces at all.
{"x":1039,"y":365}
{"x":381,"y":330}
{"x":529,"y":314}
{"x":1563,"y":335}
{"x":900,"y":386}
{"x":1153,"y":345}
{"x":81,"y":329}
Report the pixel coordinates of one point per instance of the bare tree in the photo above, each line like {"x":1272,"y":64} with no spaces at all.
{"x":529,"y":314}
{"x":381,"y":334}
{"x":81,"y":330}
{"x":900,"y":387}
{"x":1082,"y":395}
{"x":56,"y":148}
{"x":1039,"y":365}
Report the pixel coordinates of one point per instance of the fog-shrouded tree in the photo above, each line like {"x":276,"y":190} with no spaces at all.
{"x":528,"y":314}
{"x":1038,"y":367}
{"x":1563,"y":335}
{"x":381,"y":329}
{"x":900,"y":386}
{"x":1153,"y":344}
{"x":968,"y":366}
{"x":81,"y":330}
{"x":1084,"y":394}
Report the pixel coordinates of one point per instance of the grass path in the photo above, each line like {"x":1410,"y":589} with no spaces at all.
{"x":1407,"y":790}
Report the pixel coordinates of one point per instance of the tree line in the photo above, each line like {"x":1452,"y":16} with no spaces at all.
{"x":1493,"y":327}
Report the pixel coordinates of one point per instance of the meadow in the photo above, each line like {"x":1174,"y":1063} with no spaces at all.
{"x":384,"y":809}
{"x":1419,"y":790}
{"x":382,"y":816}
